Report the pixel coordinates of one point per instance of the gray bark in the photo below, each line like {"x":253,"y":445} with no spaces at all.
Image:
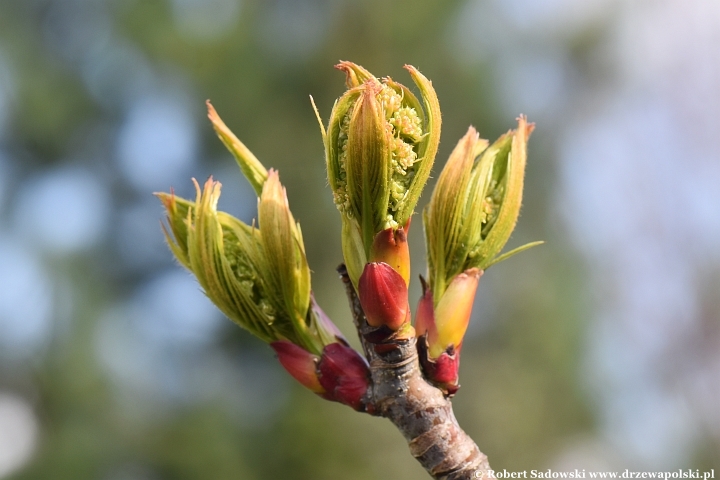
{"x":421,"y":412}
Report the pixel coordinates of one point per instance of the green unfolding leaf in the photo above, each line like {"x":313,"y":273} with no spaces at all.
{"x":250,"y":166}
{"x":475,"y":205}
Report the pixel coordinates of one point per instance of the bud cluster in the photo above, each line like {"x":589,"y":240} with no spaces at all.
{"x":475,"y":205}
{"x":472,"y":212}
{"x":259,"y":276}
{"x":380,"y":145}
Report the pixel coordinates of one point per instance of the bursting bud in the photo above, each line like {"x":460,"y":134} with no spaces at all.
{"x":225,"y":255}
{"x":475,"y":205}
{"x":380,"y":145}
{"x":257,"y":276}
{"x":472,"y":212}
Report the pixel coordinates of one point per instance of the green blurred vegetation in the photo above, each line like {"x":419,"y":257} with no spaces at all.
{"x":521,"y":398}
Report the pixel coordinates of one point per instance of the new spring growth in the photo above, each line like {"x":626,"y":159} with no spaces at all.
{"x":380,"y":145}
{"x":475,"y":205}
{"x":383,"y":285}
{"x":472,"y":212}
{"x":259,"y":276}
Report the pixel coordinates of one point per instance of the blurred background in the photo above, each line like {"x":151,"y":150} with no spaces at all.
{"x":599,"y":350}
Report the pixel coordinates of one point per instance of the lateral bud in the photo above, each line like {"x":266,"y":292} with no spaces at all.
{"x":383,"y":296}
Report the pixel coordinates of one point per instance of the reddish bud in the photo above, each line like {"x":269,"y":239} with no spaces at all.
{"x":383,"y":296}
{"x":299,"y":363}
{"x":344,"y":375}
{"x":441,"y":329}
{"x":391,"y":246}
{"x":441,"y":371}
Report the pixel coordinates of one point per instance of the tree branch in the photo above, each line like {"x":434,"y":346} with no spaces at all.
{"x":421,"y":412}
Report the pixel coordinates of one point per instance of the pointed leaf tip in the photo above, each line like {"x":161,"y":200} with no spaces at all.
{"x":355,"y":75}
{"x":252,"y":169}
{"x":317,"y":116}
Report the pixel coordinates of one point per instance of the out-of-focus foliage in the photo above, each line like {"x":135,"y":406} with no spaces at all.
{"x":128,"y":371}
